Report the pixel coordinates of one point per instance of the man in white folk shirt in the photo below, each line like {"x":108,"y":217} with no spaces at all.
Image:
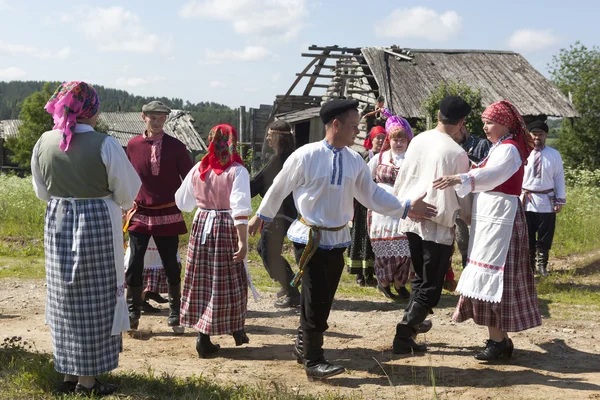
{"x":544,"y":195}
{"x":325,"y":177}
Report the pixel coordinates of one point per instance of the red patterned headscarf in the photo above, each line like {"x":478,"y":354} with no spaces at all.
{"x":72,"y":100}
{"x":374,"y":132}
{"x":504,"y":113}
{"x":222,"y":150}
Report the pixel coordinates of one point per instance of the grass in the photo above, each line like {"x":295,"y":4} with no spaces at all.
{"x":28,"y":374}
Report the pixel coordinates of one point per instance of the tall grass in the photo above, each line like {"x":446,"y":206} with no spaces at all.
{"x":22,"y":218}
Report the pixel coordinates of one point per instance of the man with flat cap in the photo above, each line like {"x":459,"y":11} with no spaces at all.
{"x":162,"y":162}
{"x":324,"y":178}
{"x":544,"y":195}
{"x":431,"y":154}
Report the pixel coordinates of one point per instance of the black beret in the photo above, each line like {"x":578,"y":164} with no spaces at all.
{"x":335,"y":107}
{"x":538,"y":126}
{"x":454,"y":107}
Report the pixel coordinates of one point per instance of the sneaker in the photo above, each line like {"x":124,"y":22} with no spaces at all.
{"x":287,"y":302}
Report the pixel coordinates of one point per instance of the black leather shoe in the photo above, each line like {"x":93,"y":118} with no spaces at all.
{"x":321,"y":369}
{"x":404,"y":342}
{"x":66,"y":387}
{"x":403,"y":292}
{"x":509,"y":349}
{"x":156,"y":297}
{"x":371,"y":281}
{"x":493,"y":350}
{"x":99,"y":389}
{"x":424,"y":326}
{"x":298,"y":350}
{"x":240,"y":337}
{"x":386,"y":291}
{"x":287,"y":302}
{"x":205,"y":347}
{"x":148,"y":308}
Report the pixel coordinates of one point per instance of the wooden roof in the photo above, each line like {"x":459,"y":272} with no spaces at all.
{"x":9,"y":127}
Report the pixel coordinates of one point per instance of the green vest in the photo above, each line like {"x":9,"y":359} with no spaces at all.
{"x":79,"y":172}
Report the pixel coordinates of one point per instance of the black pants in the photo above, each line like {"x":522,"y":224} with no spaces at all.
{"x":541,"y":230}
{"x":319,"y":283}
{"x":462,"y":239}
{"x":167,"y":249}
{"x":269,"y":248}
{"x":430,"y":261}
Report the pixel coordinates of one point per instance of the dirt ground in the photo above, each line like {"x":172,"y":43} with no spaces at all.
{"x":561,"y":359}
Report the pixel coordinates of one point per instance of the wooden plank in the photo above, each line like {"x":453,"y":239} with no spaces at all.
{"x":360,"y":91}
{"x":321,"y":86}
{"x":330,"y":55}
{"x":333,"y":48}
{"x":314,"y":76}
{"x":354,"y":76}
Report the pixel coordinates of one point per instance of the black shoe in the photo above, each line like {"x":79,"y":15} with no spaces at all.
{"x":404,"y":342}
{"x":424,"y":326}
{"x":298,"y":350}
{"x":99,"y":389}
{"x":156,"y":297}
{"x":360,"y":281}
{"x":282,"y":292}
{"x":509,"y":349}
{"x":321,"y":369}
{"x":134,"y":306}
{"x":371,"y":281}
{"x":205,"y":347}
{"x":240,"y":337}
{"x":66,"y":387}
{"x":287,"y":302}
{"x":493,"y":350}
{"x":403,"y":292}
{"x":174,"y":306}
{"x":148,"y":308}
{"x":386,"y":291}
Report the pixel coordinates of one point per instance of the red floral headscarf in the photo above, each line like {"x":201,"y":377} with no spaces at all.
{"x":374,"y":132}
{"x":72,"y":100}
{"x":222,"y":150}
{"x":504,"y":113}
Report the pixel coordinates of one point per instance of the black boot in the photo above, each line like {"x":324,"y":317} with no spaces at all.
{"x":174,"y":306}
{"x":532,"y":259}
{"x":134,"y":295}
{"x":315,"y":365}
{"x":240,"y":337}
{"x":156,"y":297}
{"x":148,"y":308}
{"x":290,"y":300}
{"x":205,"y":347}
{"x":298,"y":350}
{"x":542,"y":262}
{"x":408,"y":328}
{"x":493,"y":350}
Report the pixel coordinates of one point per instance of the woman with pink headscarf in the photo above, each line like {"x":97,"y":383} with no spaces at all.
{"x":87,"y":180}
{"x":392,"y":255}
{"x":497,"y":286}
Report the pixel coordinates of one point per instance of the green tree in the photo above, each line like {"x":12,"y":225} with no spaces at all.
{"x":576,"y":72}
{"x":431,"y":105}
{"x":35,"y":122}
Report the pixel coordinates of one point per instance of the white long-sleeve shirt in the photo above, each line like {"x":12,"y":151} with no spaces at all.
{"x":552,"y":177}
{"x":324,"y":181}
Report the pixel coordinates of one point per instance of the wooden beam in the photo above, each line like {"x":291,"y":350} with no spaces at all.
{"x":317,"y":76}
{"x":333,"y":48}
{"x":397,"y":54}
{"x":321,"y":86}
{"x":330,"y":55}
{"x":313,"y":78}
{"x":360,"y":91}
{"x":350,"y":76}
{"x":352,"y":66}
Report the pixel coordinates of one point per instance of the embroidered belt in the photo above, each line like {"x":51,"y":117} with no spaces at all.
{"x":314,"y":239}
{"x":527,"y":195}
{"x":130,"y":213}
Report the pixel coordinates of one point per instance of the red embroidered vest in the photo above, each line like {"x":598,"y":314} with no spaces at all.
{"x":514,"y":184}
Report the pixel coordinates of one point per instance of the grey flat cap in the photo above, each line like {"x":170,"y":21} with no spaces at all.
{"x":156,"y":107}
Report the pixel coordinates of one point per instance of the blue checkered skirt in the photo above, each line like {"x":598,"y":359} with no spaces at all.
{"x":82,"y":283}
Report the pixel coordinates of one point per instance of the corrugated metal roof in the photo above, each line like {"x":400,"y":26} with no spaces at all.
{"x":500,"y":75}
{"x":125,"y":125}
{"x":9,"y":127}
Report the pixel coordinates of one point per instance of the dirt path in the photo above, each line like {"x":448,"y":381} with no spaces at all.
{"x":561,"y":359}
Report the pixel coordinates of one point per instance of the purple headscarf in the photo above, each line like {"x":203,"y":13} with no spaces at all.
{"x":394,"y":121}
{"x":72,"y":100}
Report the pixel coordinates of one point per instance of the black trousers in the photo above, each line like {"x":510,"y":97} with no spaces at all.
{"x":430,"y":261}
{"x":269,"y":248}
{"x":541,"y":230}
{"x":319,"y":283}
{"x":167,"y":249}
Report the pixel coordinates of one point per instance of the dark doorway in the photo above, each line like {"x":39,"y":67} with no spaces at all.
{"x":302,"y":133}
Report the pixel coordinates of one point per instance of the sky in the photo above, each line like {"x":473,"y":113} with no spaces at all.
{"x":245,"y":52}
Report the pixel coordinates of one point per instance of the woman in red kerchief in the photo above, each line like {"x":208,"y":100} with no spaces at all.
{"x":215,"y":288}
{"x":497,"y":286}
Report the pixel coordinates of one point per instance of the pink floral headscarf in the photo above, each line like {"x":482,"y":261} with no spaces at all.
{"x":72,"y":100}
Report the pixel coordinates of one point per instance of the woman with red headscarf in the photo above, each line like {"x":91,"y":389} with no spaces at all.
{"x":392,"y":255}
{"x":215,"y":286}
{"x":360,"y":253}
{"x":497,"y":286}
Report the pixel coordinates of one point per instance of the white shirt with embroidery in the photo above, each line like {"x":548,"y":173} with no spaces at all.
{"x":552,"y":177}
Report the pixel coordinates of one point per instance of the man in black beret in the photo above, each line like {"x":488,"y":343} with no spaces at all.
{"x":325,"y":177}
{"x":431,"y":154}
{"x":544,"y":195}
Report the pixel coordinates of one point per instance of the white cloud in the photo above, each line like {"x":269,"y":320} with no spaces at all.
{"x":265,"y":18}
{"x":42,"y":54}
{"x":249,"y":53}
{"x":118,"y":30}
{"x":420,"y":23}
{"x":218,"y":84}
{"x":11,"y":73}
{"x":138,"y":81}
{"x":531,"y":40}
